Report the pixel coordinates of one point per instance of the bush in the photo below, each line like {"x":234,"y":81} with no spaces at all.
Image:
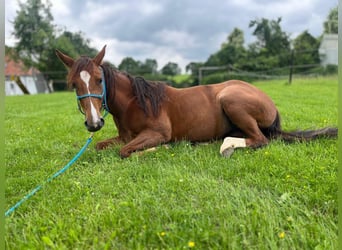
{"x":222,"y":77}
{"x":331,"y":69}
{"x":214,"y":78}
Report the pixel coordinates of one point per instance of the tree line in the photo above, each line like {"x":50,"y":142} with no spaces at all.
{"x":273,"y":50}
{"x":38,"y":36}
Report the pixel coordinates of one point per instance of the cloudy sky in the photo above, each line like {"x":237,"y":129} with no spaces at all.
{"x":178,"y":31}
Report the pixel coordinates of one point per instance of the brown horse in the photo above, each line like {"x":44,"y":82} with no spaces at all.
{"x":148,"y":114}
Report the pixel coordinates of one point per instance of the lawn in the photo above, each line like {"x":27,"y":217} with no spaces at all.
{"x":283,"y":196}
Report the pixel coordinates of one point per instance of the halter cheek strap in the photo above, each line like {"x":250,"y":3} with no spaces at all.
{"x":103,"y":96}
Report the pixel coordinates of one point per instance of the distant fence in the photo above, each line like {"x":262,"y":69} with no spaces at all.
{"x":299,"y":64}
{"x":229,"y":72}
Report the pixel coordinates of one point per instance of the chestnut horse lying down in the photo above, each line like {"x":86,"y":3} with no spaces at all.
{"x":148,"y":114}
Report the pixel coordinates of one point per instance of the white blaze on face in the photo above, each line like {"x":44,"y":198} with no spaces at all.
{"x":85,"y":76}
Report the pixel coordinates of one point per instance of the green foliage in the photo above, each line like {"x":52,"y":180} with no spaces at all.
{"x":271,"y":48}
{"x":306,"y":49}
{"x":215,"y":78}
{"x":283,"y":196}
{"x":270,"y":51}
{"x":331,"y":70}
{"x":236,"y":38}
{"x":149,"y":67}
{"x":232,"y":51}
{"x":270,"y":36}
{"x":128,"y":64}
{"x":331,"y":24}
{"x":38,"y":38}
{"x":35,"y":32}
{"x":193,"y":67}
{"x":171,"y":69}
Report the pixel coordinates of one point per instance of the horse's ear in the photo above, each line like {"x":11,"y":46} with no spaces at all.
{"x":99,"y":57}
{"x":68,"y":61}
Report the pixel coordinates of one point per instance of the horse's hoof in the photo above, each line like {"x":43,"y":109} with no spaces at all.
{"x":101,"y":146}
{"x":227,"y":152}
{"x":124,"y":154}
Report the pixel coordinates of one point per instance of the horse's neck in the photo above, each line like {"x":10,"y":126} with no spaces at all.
{"x":123,"y":95}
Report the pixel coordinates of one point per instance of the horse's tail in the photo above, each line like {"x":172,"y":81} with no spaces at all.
{"x":307,"y":135}
{"x":275,"y":132}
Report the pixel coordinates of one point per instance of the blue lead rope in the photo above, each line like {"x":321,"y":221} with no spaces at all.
{"x":61,"y":171}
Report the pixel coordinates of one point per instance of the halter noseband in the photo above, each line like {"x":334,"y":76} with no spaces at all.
{"x":103,"y":96}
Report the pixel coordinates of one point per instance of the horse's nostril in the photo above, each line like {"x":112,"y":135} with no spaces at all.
{"x":102,"y":122}
{"x":94,"y":127}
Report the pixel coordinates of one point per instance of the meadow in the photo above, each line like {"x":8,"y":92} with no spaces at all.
{"x":184,"y":196}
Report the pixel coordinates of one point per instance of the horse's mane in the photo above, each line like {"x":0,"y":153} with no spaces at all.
{"x":144,"y":91}
{"x":148,"y":90}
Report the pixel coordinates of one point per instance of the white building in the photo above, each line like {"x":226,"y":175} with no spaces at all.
{"x":328,"y":50}
{"x":32,"y":81}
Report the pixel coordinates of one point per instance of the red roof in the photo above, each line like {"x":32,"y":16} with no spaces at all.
{"x":13,"y":68}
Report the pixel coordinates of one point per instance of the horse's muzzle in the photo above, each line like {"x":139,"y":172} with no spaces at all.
{"x":96,"y":126}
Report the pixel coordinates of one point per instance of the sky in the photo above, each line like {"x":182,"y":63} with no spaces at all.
{"x":180,"y":31}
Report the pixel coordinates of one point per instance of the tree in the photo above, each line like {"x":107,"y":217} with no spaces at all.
{"x":232,"y":51}
{"x":73,"y":44}
{"x":35,"y":32}
{"x":235,"y":39}
{"x":193,"y":67}
{"x":79,"y":43}
{"x":171,"y":69}
{"x":38,"y":38}
{"x":271,"y":48}
{"x":270,"y":35}
{"x":306,"y":49}
{"x":149,"y":67}
{"x":331,"y":24}
{"x":129,"y":65}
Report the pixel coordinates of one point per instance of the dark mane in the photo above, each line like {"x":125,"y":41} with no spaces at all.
{"x":109,"y":76}
{"x":145,"y":91}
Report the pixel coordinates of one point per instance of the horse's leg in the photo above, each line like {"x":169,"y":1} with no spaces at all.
{"x":106,"y":143}
{"x":248,"y":125}
{"x":254,"y":138}
{"x":145,"y":139}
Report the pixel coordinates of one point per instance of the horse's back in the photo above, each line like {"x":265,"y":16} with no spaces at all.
{"x":199,"y":113}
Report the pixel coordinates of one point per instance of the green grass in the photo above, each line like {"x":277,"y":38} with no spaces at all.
{"x":279,"y":197}
{"x":180,"y":78}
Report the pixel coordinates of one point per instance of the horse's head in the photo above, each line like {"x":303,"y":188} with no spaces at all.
{"x":86,"y":76}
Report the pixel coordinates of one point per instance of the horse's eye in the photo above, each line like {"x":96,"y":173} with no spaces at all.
{"x":100,"y":81}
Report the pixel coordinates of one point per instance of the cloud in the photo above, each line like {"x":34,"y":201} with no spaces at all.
{"x":175,"y":30}
{"x":175,"y":38}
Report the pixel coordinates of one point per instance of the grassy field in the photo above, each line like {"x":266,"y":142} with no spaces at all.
{"x":185,"y":196}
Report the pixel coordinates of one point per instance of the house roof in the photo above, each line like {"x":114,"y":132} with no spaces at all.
{"x":18,"y":68}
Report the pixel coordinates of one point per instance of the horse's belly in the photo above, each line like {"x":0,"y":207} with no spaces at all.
{"x":201,"y":130}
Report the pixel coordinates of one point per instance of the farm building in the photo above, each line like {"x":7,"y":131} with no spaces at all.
{"x":328,"y":50}
{"x":19,"y":80}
